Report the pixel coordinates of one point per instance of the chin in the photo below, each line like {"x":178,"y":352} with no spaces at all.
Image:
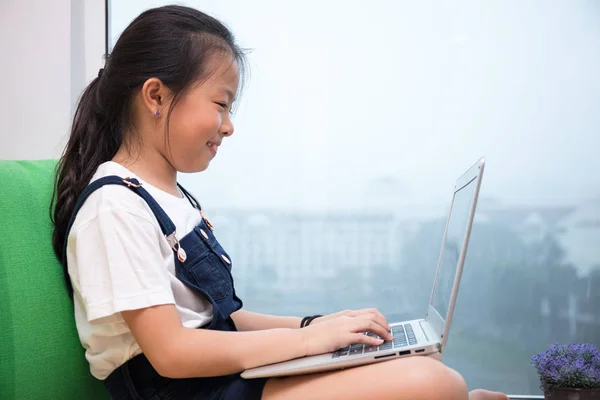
{"x":190,"y":162}
{"x":192,"y":167}
{"x":204,"y":167}
{"x":201,"y":165}
{"x":200,"y":168}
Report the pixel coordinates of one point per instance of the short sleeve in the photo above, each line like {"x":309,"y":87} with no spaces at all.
{"x":116,"y":264}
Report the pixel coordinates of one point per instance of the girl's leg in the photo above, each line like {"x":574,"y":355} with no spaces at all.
{"x":411,"y":378}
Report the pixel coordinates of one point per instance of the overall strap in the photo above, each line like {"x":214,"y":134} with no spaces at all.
{"x":196,"y":205}
{"x":166,"y":225}
{"x":191,"y":198}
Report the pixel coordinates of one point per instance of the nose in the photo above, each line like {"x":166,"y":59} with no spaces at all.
{"x":227,"y":127}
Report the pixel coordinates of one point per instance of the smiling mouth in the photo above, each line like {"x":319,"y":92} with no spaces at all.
{"x":213,"y":147}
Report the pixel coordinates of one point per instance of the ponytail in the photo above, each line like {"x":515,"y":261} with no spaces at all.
{"x":92,"y":141}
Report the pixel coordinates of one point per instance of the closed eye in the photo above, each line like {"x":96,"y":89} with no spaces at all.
{"x":225,"y":107}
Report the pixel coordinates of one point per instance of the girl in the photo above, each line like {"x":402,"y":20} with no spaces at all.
{"x":154,"y":301}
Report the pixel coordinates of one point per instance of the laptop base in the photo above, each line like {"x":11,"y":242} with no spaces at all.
{"x":331,"y":361}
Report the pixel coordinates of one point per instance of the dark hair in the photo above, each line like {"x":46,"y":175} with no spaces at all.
{"x":171,"y":43}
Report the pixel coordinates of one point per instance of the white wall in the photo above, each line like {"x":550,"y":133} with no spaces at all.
{"x":49,"y":51}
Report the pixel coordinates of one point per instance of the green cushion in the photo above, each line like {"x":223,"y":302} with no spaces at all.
{"x":40,"y":353}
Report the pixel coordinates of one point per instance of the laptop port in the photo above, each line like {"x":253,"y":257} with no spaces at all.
{"x":404,"y":353}
{"x":387,"y":355}
{"x":420,"y":351}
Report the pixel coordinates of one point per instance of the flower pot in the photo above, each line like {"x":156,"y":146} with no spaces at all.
{"x":556,"y":393}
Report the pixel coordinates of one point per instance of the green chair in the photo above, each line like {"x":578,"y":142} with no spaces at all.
{"x":40,"y":353}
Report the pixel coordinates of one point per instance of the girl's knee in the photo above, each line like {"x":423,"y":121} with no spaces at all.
{"x":430,"y":379}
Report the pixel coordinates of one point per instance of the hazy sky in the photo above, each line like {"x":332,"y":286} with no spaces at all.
{"x":343,"y":93}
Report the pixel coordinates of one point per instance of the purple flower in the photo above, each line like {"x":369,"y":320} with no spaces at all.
{"x":576,"y":365}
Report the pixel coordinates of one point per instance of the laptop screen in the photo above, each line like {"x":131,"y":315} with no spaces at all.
{"x":452,"y":247}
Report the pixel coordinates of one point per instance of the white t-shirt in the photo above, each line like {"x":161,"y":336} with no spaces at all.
{"x":118,"y":260}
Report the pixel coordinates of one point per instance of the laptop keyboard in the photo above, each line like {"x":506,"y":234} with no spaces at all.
{"x":403,"y":336}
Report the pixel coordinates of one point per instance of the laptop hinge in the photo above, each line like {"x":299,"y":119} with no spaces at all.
{"x":424,"y":330}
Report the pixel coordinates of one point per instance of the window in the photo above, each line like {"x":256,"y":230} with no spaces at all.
{"x":357,"y":119}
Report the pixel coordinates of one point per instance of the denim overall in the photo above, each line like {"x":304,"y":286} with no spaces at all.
{"x":202,"y":264}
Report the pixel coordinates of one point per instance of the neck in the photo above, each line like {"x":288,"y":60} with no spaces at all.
{"x":150,"y":166}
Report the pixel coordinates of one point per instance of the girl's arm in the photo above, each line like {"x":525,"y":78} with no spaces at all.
{"x":251,"y":321}
{"x":179,"y":352}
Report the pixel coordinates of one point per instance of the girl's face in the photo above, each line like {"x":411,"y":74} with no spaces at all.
{"x":201,"y":119}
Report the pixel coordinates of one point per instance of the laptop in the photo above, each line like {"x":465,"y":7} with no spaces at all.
{"x":418,"y":337}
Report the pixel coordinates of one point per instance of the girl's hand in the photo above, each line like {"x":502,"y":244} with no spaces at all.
{"x":334,"y":332}
{"x":381,"y":320}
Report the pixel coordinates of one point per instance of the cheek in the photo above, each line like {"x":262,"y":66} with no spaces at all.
{"x":195,"y":129}
{"x":187,"y":150}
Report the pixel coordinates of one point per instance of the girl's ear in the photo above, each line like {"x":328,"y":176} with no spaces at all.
{"x":155,"y":94}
